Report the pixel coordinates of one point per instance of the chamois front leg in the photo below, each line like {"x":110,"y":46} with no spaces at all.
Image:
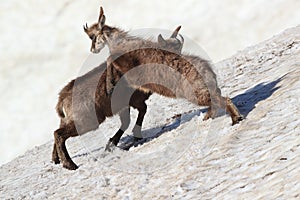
{"x":125,"y":121}
{"x":138,"y":101}
{"x":110,"y":82}
{"x":113,"y":73}
{"x":117,"y":65}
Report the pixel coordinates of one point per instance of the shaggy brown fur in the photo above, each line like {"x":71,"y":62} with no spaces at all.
{"x":172,"y":75}
{"x":83,"y":104}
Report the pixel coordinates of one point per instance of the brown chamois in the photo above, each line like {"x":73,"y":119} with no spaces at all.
{"x":197,"y":81}
{"x":84,"y":97}
{"x":80,"y":101}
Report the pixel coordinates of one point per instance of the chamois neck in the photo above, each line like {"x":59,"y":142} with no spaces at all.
{"x":119,"y":41}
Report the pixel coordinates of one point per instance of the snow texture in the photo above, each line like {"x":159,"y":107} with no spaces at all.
{"x":43,"y":46}
{"x":190,"y":159}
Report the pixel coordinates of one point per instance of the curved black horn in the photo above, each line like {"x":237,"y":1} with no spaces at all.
{"x":175,"y":33}
{"x":85,"y":27}
{"x":182,"y":39}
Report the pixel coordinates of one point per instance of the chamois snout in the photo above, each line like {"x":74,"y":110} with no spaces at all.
{"x":95,"y":33}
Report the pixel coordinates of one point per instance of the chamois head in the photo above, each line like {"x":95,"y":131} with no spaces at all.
{"x":98,"y":33}
{"x":172,"y":43}
{"x":102,"y":34}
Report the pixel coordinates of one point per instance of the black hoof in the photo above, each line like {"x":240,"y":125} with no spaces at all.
{"x":110,"y":146}
{"x":55,"y":160}
{"x":70,"y":166}
{"x":136,"y":139}
{"x":238,"y":119}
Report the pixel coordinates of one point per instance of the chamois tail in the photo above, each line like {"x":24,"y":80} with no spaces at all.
{"x":59,"y":108}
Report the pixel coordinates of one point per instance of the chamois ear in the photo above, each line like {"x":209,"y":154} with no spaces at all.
{"x":102,"y":18}
{"x":175,"y":33}
{"x":161,"y":40}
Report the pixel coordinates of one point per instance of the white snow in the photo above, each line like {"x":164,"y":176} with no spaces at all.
{"x":256,"y":159}
{"x":43,"y":46}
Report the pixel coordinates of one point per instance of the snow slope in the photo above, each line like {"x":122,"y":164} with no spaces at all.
{"x":191,"y":159}
{"x":42,"y":46}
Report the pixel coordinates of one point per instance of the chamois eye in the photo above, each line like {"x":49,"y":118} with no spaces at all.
{"x":91,"y":37}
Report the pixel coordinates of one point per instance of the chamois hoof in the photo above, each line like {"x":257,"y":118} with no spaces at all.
{"x":207,"y":116}
{"x":110,"y":146}
{"x":136,"y":139}
{"x":210,"y":114}
{"x":70,"y":166}
{"x":237,"y":119}
{"x":55,"y":160}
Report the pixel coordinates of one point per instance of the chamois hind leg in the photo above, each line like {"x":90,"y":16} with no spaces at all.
{"x":55,"y":157}
{"x":60,"y":137}
{"x":209,"y":114}
{"x":204,"y":99}
{"x":233,"y":111}
{"x":226,"y":103}
{"x":125,"y":121}
{"x":215,"y":101}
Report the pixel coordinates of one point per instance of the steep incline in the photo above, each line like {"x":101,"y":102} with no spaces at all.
{"x":257,"y":159}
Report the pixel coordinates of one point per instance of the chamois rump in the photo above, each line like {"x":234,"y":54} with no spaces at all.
{"x":83,"y":104}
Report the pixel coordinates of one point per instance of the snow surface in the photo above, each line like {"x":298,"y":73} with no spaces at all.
{"x":42,"y":47}
{"x":256,"y":159}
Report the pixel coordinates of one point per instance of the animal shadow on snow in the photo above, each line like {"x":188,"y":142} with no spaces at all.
{"x":245,"y":102}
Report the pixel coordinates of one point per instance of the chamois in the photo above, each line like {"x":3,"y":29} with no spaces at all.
{"x":197,"y":81}
{"x":85,"y":97}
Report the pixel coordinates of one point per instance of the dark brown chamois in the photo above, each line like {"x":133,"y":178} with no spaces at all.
{"x":83,"y":104}
{"x":196,"y":80}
